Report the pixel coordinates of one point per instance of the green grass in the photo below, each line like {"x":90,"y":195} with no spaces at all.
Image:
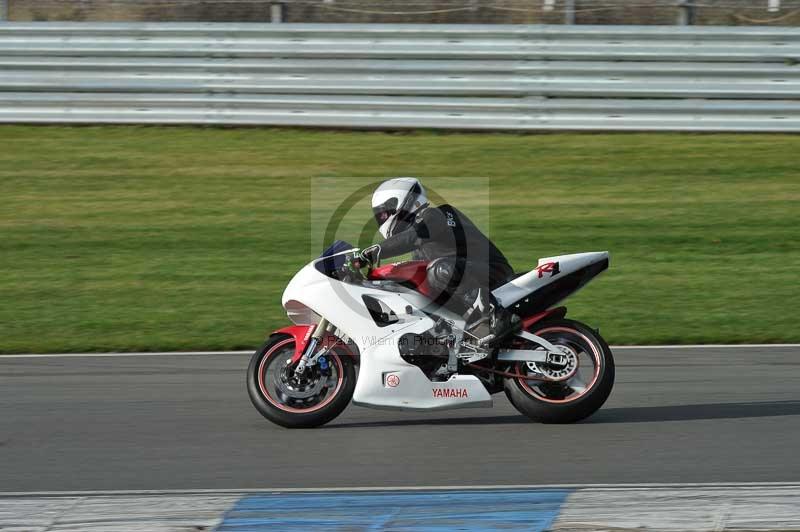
{"x":128,"y":238}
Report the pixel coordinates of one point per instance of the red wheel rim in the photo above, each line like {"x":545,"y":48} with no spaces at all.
{"x":595,"y":355}
{"x":262,"y":384}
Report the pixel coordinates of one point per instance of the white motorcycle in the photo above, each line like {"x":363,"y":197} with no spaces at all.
{"x":383,"y":342}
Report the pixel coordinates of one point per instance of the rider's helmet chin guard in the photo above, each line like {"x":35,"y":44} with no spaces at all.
{"x":395,"y":202}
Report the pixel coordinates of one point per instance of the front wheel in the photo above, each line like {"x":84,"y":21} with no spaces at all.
{"x":574,"y":390}
{"x":319,"y":395}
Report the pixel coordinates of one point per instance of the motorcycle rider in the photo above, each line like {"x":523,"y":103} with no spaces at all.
{"x":464,"y":265}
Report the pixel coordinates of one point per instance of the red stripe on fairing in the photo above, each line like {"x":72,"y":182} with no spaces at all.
{"x":302,"y":334}
{"x":558,"y":312}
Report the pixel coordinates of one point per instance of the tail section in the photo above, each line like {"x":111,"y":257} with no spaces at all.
{"x":553,"y":279}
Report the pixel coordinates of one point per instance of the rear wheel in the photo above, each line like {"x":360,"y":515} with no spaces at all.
{"x":320,"y":394}
{"x":575,"y":389}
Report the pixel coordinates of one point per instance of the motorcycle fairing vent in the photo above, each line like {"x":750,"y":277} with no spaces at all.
{"x":381,"y":314}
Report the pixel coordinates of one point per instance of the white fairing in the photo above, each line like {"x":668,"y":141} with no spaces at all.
{"x":341,"y":304}
{"x":513,"y":291}
{"x":385,"y":379}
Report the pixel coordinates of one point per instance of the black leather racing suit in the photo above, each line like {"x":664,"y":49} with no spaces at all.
{"x":463,"y":261}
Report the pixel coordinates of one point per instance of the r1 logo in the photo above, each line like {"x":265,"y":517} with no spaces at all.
{"x":548,"y":267}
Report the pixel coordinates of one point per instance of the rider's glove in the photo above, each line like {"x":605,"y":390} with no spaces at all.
{"x":371,"y":254}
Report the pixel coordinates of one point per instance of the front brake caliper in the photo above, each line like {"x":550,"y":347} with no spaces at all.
{"x":324,"y":367}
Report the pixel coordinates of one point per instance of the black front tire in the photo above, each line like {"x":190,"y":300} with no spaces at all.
{"x":291,"y":419}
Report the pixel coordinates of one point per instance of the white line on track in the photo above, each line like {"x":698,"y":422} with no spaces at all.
{"x":712,"y":485}
{"x":229,"y":353}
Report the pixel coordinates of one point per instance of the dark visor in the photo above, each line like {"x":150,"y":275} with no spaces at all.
{"x":383,"y":211}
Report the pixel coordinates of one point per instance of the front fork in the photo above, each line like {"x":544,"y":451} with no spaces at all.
{"x":308,"y":352}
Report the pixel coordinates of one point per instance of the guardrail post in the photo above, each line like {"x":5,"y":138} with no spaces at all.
{"x":569,"y":12}
{"x":3,"y":10}
{"x":685,"y":13}
{"x":276,"y":13}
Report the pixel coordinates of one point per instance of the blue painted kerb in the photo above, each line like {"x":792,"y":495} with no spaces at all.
{"x":415,"y":511}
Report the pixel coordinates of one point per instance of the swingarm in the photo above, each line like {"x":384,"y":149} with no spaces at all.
{"x":545,"y":352}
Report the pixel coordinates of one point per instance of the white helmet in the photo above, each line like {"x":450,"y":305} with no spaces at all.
{"x":395,"y":201}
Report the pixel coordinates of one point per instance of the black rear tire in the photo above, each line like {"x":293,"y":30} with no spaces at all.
{"x":563,"y":410}
{"x":286,"y":415}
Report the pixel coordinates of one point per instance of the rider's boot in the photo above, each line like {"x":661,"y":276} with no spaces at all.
{"x":503,"y":324}
{"x":478,"y":317}
{"x":489,"y":321}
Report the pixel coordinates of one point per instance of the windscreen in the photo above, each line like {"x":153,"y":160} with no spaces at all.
{"x":332,"y":264}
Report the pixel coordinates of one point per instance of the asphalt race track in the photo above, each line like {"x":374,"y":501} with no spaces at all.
{"x":728,"y":414}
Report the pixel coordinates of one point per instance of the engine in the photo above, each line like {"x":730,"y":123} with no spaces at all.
{"x":426,"y":351}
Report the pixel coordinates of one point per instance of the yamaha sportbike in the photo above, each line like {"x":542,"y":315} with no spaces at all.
{"x":382,"y":341}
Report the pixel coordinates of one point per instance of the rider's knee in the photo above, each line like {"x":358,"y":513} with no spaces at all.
{"x":441,"y":272}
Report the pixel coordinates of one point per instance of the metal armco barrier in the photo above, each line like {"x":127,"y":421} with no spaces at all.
{"x":403,"y":76}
